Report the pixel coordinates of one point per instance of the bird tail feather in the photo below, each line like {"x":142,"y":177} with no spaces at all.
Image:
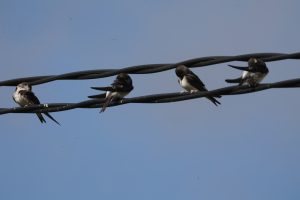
{"x":109,"y":99}
{"x":48,"y":115}
{"x":41,"y":118}
{"x":214,"y":101}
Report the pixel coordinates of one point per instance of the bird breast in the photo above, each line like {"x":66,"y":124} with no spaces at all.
{"x":20,"y":99}
{"x":186,"y":85}
{"x":254,"y":77}
{"x":117,"y":95}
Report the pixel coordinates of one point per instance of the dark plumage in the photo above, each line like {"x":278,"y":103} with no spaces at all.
{"x":121,"y":87}
{"x":25,"y":97}
{"x":253,"y":74}
{"x":191,"y":82}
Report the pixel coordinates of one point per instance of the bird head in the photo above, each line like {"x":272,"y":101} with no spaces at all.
{"x":182,"y":70}
{"x":24,"y":86}
{"x":257,"y":65}
{"x":124,"y":78}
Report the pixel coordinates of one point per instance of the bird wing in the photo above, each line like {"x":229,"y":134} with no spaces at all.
{"x":240,"y":68}
{"x":237,"y":80}
{"x":118,"y":85}
{"x":109,"y":88}
{"x":98,"y":96}
{"x":122,"y":85}
{"x":32,"y":99}
{"x":194,"y":80}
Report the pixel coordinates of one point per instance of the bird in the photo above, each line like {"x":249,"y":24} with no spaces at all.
{"x":192,"y":83}
{"x":24,"y":96}
{"x":252,"y":75}
{"x":121,"y":87}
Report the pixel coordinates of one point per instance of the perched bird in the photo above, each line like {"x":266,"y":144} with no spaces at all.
{"x":191,"y":82}
{"x":252,"y":75}
{"x":121,"y":87}
{"x":25,"y":97}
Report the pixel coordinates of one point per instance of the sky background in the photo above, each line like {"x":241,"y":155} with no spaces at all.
{"x":247,"y":148}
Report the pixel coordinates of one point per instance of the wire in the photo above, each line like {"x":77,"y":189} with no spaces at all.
{"x":146,"y":69}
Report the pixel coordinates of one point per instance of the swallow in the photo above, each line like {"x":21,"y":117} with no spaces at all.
{"x":121,"y":87}
{"x":24,"y":96}
{"x":252,"y":75}
{"x":192,"y":83}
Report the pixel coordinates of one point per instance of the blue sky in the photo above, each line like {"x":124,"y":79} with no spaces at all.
{"x":247,"y":148}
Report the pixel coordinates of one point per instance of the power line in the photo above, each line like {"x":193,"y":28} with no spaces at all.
{"x":146,"y":69}
{"x":150,"y":68}
{"x":155,"y":98}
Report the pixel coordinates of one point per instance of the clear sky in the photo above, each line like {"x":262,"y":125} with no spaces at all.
{"x":247,"y":148}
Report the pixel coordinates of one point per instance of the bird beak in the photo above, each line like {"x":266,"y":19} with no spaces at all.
{"x":241,"y":68}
